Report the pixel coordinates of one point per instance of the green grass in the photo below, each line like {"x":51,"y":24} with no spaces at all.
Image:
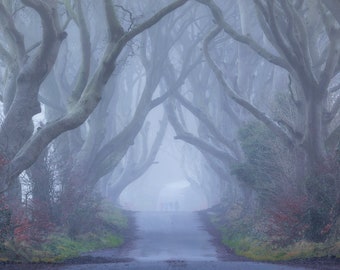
{"x":58,"y":246}
{"x":262,"y":251}
{"x":114,"y":216}
{"x":244,"y":242}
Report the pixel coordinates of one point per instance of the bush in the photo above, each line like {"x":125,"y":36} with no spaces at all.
{"x":286,"y":222}
{"x":31,"y":224}
{"x":82,"y":215}
{"x":6,"y":228}
{"x":260,"y":167}
{"x":324,"y":200}
{"x":292,"y":208}
{"x":58,"y":245}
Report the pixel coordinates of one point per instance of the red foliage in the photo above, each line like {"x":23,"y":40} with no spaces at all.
{"x":327,"y":228}
{"x":3,"y":161}
{"x":286,"y":218}
{"x":22,"y":226}
{"x":32,"y":224}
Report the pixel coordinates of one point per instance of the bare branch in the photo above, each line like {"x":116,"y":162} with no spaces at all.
{"x":51,"y":33}
{"x":132,"y":21}
{"x":204,"y":119}
{"x":116,"y":31}
{"x":183,"y":135}
{"x":293,"y":47}
{"x":38,"y":43}
{"x":147,"y":162}
{"x":88,"y":101}
{"x":332,"y":60}
{"x":239,"y":100}
{"x":84,"y":69}
{"x":15,"y":38}
{"x":179,"y":82}
{"x":133,"y":172}
{"x":297,"y":35}
{"x":218,"y":15}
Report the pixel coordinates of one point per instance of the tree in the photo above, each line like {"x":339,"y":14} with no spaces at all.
{"x":19,"y":145}
{"x":313,"y":70}
{"x":304,"y":43}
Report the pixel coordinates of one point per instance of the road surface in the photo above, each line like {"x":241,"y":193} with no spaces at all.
{"x":168,"y":240}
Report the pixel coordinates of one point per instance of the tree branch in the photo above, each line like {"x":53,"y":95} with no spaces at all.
{"x":176,"y":86}
{"x":333,"y":7}
{"x":239,"y":100}
{"x":5,"y":56}
{"x":116,"y":31}
{"x":297,"y":35}
{"x":84,"y":69}
{"x":181,"y":134}
{"x":15,"y":38}
{"x":51,"y":34}
{"x":218,"y":15}
{"x":332,"y":60}
{"x":204,"y":119}
{"x":149,"y":160}
{"x":87,"y":102}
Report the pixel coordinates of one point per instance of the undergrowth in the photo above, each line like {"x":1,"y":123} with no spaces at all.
{"x":245,"y":240}
{"x":59,"y":246}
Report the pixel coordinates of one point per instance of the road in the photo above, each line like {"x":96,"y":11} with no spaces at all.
{"x":171,"y":236}
{"x":169,"y":240}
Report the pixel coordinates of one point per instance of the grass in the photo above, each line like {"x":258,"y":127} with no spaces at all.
{"x":244,"y":242}
{"x":58,"y":246}
{"x":261,"y":251}
{"x":114,"y":216}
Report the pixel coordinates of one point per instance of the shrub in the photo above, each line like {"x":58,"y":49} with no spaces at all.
{"x":80,"y":212}
{"x":286,"y":222}
{"x":31,"y":224}
{"x":324,"y":200}
{"x":260,"y":167}
{"x":6,"y":228}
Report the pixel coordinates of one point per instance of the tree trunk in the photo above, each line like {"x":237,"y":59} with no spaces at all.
{"x":314,"y":140}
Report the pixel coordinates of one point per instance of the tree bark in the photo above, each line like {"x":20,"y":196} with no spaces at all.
{"x":32,"y":75}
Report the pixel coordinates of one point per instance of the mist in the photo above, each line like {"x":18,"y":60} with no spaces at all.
{"x":133,"y":116}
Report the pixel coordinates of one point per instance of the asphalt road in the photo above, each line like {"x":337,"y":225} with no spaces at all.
{"x":168,"y":240}
{"x":171,"y":236}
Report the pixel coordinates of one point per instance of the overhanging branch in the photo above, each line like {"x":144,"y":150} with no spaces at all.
{"x":272,"y":125}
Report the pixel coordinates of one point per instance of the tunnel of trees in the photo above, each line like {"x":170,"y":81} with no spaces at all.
{"x":251,"y":89}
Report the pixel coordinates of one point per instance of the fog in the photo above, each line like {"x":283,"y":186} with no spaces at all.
{"x":172,"y":107}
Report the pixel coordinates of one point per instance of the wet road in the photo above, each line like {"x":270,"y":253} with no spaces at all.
{"x":173,"y":240}
{"x":170,"y":240}
{"x":171,"y":236}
